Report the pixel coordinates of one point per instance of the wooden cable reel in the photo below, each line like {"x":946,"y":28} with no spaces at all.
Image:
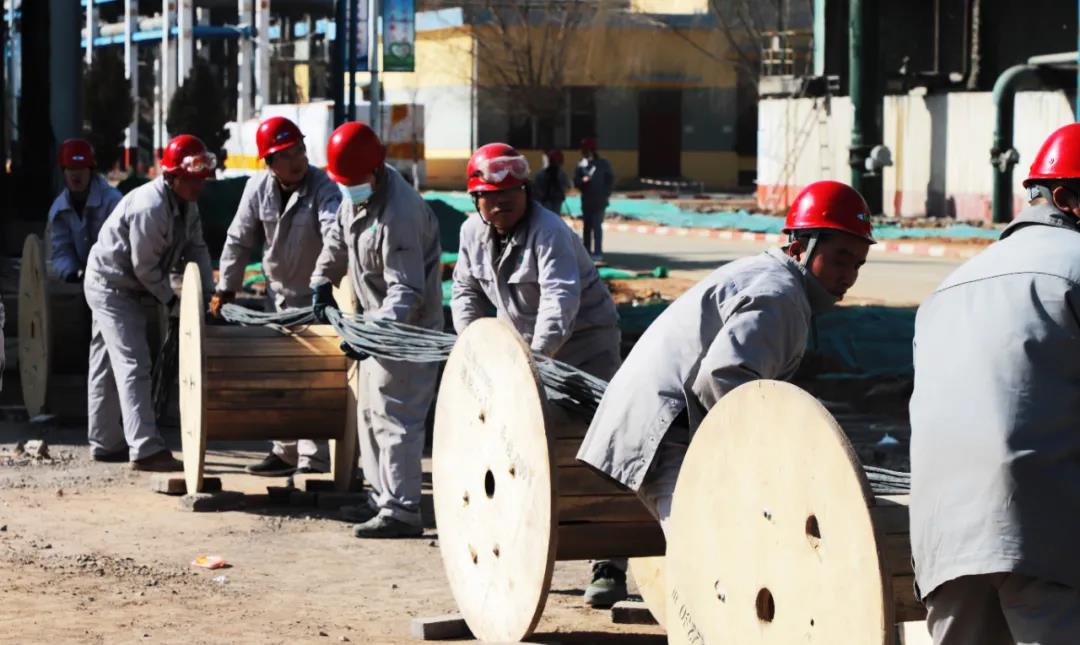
{"x":54,"y":337}
{"x":775,"y":536}
{"x":251,"y":383}
{"x":510,"y":498}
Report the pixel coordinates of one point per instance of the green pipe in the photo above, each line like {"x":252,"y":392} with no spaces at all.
{"x":1003,"y":155}
{"x":819,"y":37}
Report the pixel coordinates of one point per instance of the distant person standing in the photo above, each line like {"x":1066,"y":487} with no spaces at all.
{"x":595,"y":179}
{"x":551,"y":184}
{"x":79,"y":211}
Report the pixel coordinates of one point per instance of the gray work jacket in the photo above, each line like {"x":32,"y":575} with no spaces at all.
{"x":543,"y":283}
{"x":292,"y":234}
{"x":71,"y":236}
{"x":747,"y":320}
{"x":995,"y":444}
{"x":596,"y":191}
{"x":149,"y":236}
{"x":390,"y":247}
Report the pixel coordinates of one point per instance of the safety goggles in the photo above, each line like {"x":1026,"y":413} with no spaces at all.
{"x":497,"y":169}
{"x":199,"y":164}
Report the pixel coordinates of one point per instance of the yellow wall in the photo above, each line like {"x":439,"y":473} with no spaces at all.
{"x":635,"y":57}
{"x":443,"y":57}
{"x":446,"y":168}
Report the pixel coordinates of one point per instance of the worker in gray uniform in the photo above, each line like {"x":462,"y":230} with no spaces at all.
{"x":747,"y":320}
{"x":387,"y":238}
{"x":78,"y":212}
{"x":286,"y":208}
{"x":154,"y":231}
{"x":995,"y":451}
{"x":520,"y":260}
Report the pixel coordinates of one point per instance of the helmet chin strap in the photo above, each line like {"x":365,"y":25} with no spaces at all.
{"x":808,"y":253}
{"x":1037,"y":191}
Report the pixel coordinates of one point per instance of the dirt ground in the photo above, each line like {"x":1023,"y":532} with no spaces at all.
{"x":89,"y":554}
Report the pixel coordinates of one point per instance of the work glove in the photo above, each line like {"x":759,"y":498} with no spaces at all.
{"x":174,"y":307}
{"x":219,"y":300}
{"x":321,"y":299}
{"x":354,"y":354}
{"x":74,"y":277}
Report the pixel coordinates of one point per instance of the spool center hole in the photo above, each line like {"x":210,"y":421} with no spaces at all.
{"x":813,"y":531}
{"x":766,"y":607}
{"x":489,"y":484}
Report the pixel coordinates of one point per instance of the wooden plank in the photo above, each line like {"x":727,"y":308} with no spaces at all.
{"x":907,"y":605}
{"x":621,"y":508}
{"x":276,"y":399}
{"x":602,"y":541}
{"x":232,"y":364}
{"x":238,"y":332}
{"x":896,"y":554}
{"x":582,"y":480}
{"x":275,"y":380}
{"x":890,"y":514}
{"x":439,"y":628}
{"x":648,"y":574}
{"x":282,"y":346}
{"x":629,"y":612}
{"x":566,"y":451}
{"x":253,"y":424}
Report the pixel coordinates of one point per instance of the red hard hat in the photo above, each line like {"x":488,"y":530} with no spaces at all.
{"x":588,"y":143}
{"x":1058,"y":157}
{"x":353,"y":153}
{"x":275,"y":134}
{"x":830,"y":205}
{"x":554,"y":156}
{"x":76,"y":153}
{"x":496,"y":166}
{"x":186,"y":155}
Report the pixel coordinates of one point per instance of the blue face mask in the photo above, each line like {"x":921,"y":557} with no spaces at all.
{"x":358,"y":194}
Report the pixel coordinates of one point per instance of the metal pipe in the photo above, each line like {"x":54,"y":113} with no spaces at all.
{"x":354,"y":8}
{"x":1003,"y":156}
{"x":243,"y":63}
{"x":337,"y":61}
{"x":865,"y":99}
{"x":375,"y":17}
{"x":262,"y":54}
{"x":1063,"y":58}
{"x":131,"y":72}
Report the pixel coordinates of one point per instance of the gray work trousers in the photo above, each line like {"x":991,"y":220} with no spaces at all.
{"x":392,"y":408}
{"x":120,"y":405}
{"x":1003,"y":609}
{"x":658,"y":488}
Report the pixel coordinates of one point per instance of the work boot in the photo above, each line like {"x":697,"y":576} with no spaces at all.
{"x":159,"y":462}
{"x":358,"y":513}
{"x":382,"y":527}
{"x":118,"y":457}
{"x":608,"y":586}
{"x":271,"y":466}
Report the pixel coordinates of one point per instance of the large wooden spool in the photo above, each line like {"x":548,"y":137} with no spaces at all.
{"x":54,"y":337}
{"x":510,"y":498}
{"x":255,"y":383}
{"x":775,"y":536}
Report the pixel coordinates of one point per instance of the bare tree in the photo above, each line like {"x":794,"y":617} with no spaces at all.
{"x":522,"y":52}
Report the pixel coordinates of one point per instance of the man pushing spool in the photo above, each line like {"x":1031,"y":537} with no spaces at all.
{"x":748,"y":320}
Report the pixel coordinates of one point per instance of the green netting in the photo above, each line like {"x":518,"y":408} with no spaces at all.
{"x":667,"y":214}
{"x":865,"y":341}
{"x":607,"y":273}
{"x":217,"y":206}
{"x":451,"y":216}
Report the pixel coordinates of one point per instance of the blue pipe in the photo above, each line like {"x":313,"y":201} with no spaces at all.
{"x":204,"y":32}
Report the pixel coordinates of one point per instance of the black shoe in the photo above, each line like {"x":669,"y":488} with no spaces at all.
{"x":308,"y":470}
{"x":608,"y":586}
{"x":357,"y":513}
{"x":159,"y":462}
{"x":118,"y":457}
{"x":271,"y":466}
{"x":382,"y":527}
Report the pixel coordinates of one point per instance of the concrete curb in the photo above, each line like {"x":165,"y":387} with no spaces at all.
{"x":901,"y":247}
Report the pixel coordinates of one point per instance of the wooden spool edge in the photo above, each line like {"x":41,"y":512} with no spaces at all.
{"x":685,"y":630}
{"x":192,"y":377}
{"x":477,"y":333}
{"x":34,"y":349}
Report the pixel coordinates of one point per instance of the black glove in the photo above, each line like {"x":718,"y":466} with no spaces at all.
{"x":354,"y":354}
{"x":174,"y":307}
{"x":321,"y":299}
{"x":73,"y":277}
